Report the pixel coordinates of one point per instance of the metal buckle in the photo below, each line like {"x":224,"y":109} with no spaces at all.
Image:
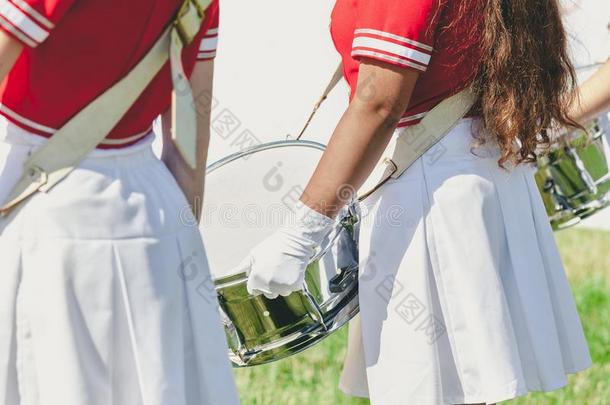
{"x":393,"y":168}
{"x":36,"y":177}
{"x":188,"y":21}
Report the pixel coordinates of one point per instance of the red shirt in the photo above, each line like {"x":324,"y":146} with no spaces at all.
{"x":409,"y":34}
{"x":78,"y":49}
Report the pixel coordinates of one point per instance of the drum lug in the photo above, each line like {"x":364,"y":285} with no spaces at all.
{"x":353,"y":217}
{"x":549,"y":186}
{"x":582,"y":170}
{"x":317,"y":311}
{"x":234,"y":339}
{"x":561,"y":202}
{"x":342,"y":281}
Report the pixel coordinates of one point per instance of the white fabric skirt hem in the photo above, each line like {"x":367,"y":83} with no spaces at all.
{"x":494,"y":396}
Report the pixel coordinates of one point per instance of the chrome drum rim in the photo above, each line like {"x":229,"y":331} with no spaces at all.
{"x":260,"y":330}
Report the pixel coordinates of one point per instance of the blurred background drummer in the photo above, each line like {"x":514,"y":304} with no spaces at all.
{"x":587,"y":23}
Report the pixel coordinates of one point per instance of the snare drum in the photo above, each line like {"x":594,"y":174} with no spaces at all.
{"x":248,"y":196}
{"x":574,"y":178}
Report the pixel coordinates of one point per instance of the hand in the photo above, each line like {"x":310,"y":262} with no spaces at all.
{"x":190,"y":181}
{"x":277,"y":265}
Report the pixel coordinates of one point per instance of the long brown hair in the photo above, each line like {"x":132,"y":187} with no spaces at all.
{"x":525,"y":79}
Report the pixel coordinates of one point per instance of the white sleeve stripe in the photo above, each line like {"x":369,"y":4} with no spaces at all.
{"x":393,"y":48}
{"x":27,"y":122}
{"x":124,"y":141}
{"x":33,"y":13}
{"x":20,"y":20}
{"x":206,"y":55}
{"x":208,"y":44}
{"x":212,"y":31}
{"x":21,"y":36}
{"x":393,"y":36}
{"x":389,"y":58}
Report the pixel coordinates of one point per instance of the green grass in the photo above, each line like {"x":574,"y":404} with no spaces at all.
{"x":311,"y":378}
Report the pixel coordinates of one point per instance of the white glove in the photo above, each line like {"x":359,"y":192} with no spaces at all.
{"x":277,"y":265}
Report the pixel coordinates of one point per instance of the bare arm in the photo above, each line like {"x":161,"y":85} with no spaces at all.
{"x":593,"y":96}
{"x":10,"y":49}
{"x":364,"y":131}
{"x":191,"y":181}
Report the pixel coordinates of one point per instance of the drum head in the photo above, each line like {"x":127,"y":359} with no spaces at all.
{"x":249,"y":195}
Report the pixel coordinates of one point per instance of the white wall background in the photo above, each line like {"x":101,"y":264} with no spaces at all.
{"x":275,"y":58}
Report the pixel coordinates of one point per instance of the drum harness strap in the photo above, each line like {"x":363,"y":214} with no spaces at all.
{"x":57,"y":157}
{"x":413,"y":141}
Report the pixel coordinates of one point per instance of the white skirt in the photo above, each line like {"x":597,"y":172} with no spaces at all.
{"x":105,"y":293}
{"x":463,"y":295}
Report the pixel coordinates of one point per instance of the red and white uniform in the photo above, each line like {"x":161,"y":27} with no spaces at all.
{"x":463,"y":297}
{"x":76,"y":50}
{"x":405,"y":34}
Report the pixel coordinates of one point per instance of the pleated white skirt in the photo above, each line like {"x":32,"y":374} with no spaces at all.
{"x":105,"y":294}
{"x":463,"y":295}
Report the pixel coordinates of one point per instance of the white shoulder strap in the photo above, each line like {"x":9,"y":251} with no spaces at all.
{"x":412,"y":142}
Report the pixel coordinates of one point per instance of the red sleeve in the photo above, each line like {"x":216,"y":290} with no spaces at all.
{"x":396,"y":31}
{"x":208,"y":37}
{"x":31,"y":21}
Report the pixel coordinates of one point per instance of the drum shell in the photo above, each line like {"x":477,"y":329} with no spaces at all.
{"x":261,"y":330}
{"x":262,"y":179}
{"x":574,"y":178}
